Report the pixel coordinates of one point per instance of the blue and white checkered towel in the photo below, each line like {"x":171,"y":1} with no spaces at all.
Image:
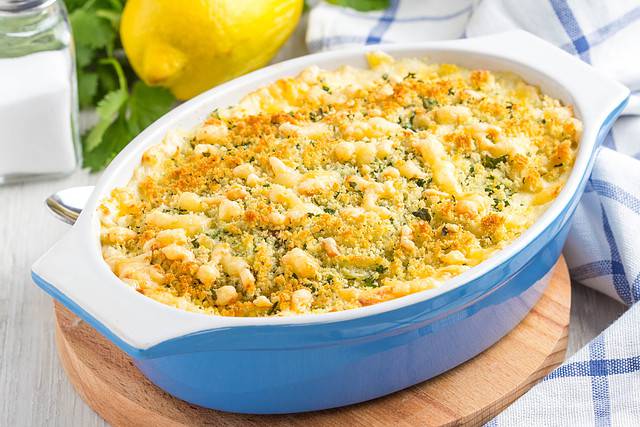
{"x":599,"y":385}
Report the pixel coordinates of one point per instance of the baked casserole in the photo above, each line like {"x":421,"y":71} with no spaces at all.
{"x":339,"y":189}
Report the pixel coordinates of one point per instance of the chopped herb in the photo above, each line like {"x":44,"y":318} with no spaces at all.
{"x":370,"y":282}
{"x":381,"y":269}
{"x":496,"y":204}
{"x":423,"y":214}
{"x":409,"y":124}
{"x":215,"y":234}
{"x":544,"y":121}
{"x":326,"y":88}
{"x":559,"y":165}
{"x":429,"y":103}
{"x":195,"y":243}
{"x":385,"y":76}
{"x":409,"y":76}
{"x":330,"y":211}
{"x":510,"y":108}
{"x":472,"y":170}
{"x":420,"y":182}
{"x":451,"y":92}
{"x":273,"y":308}
{"x":492,"y":163}
{"x":314,"y":116}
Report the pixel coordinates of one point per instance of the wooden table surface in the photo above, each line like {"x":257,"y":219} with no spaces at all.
{"x":34,"y":390}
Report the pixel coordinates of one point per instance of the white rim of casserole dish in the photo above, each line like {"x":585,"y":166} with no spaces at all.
{"x":76,"y":269}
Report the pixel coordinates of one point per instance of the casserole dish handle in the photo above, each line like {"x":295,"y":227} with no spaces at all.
{"x":90,"y":290}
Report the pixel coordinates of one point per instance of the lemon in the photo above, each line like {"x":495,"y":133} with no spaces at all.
{"x":190,"y":46}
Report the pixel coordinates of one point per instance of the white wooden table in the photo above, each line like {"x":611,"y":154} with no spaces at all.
{"x":34,"y":390}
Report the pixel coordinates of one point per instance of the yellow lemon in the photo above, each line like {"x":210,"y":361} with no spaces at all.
{"x":190,"y":46}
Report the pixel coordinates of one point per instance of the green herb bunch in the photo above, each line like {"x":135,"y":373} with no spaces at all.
{"x":124,"y":104}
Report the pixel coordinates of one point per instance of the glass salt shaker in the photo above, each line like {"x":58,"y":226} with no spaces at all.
{"x":38,"y":96}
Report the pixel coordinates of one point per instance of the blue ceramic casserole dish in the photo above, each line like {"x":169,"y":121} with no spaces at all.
{"x":318,"y":361}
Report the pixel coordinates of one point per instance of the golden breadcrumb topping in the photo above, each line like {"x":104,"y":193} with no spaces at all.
{"x":339,"y":189}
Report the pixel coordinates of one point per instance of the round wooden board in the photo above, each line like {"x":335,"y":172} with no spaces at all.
{"x":470,"y":394}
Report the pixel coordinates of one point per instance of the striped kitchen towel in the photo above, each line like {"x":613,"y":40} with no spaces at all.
{"x":599,"y":385}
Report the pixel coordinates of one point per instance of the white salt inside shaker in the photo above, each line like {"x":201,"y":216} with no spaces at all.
{"x":38,"y":109}
{"x":36,"y":135}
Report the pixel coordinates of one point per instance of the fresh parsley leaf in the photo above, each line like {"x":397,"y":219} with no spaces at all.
{"x":144,"y":106}
{"x":91,"y":30}
{"x":362,"y":5}
{"x":84,"y":56}
{"x":107,"y":78}
{"x":114,"y":139}
{"x":108,"y":110}
{"x":87,"y":88}
{"x":113,"y":16}
{"x":74,"y":4}
{"x":147,"y":104}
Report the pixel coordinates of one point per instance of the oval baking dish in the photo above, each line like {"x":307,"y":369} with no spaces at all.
{"x":318,"y":361}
